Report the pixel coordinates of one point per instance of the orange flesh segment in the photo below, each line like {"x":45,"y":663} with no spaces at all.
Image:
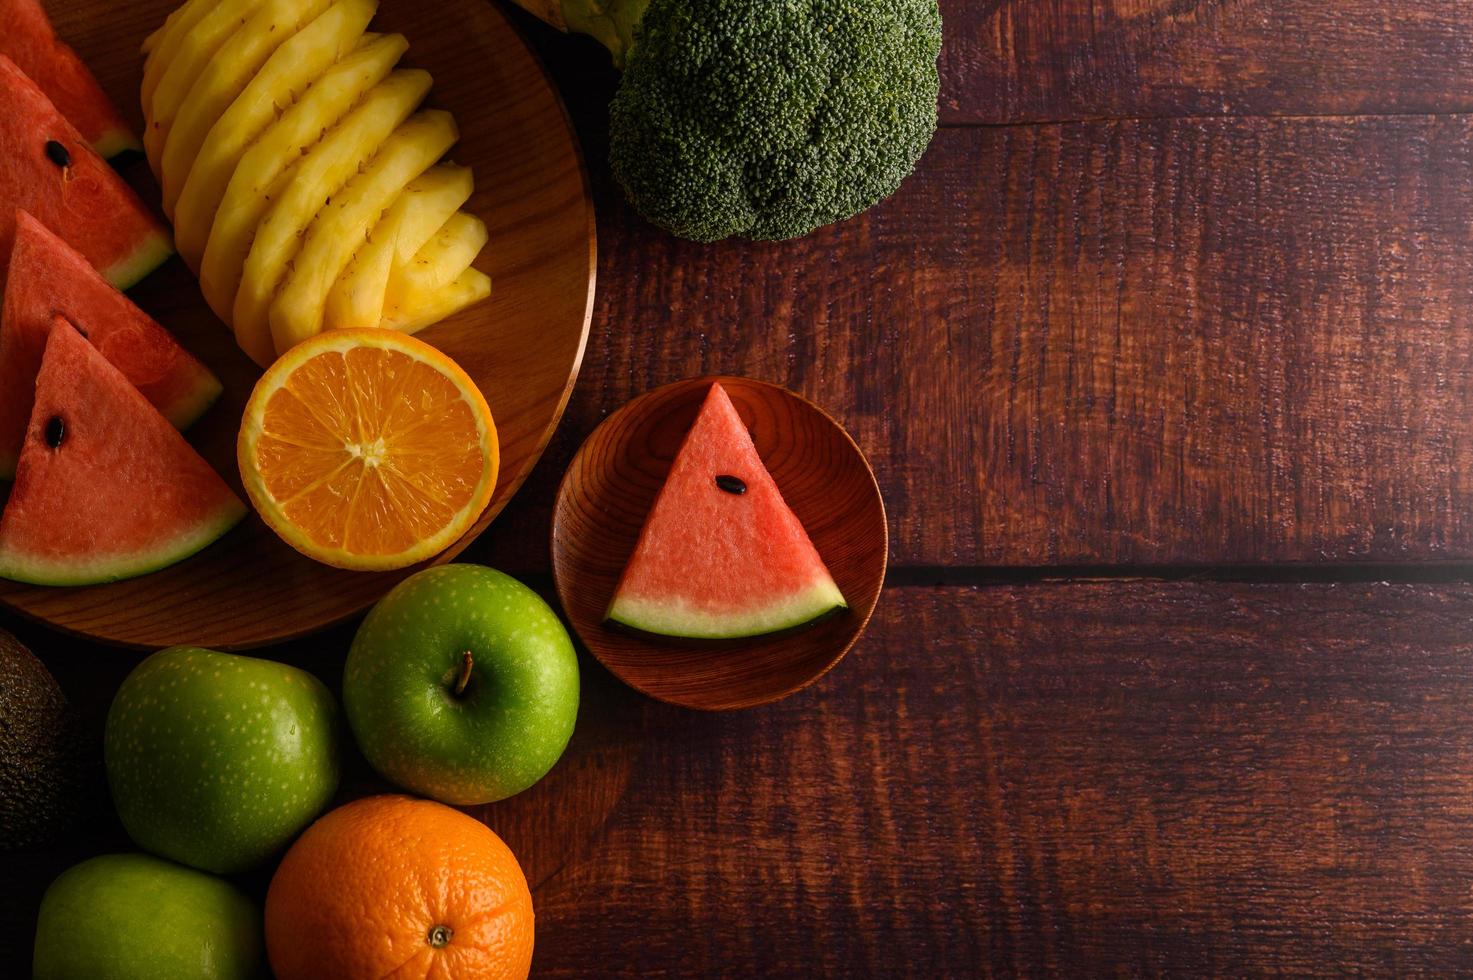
{"x":369,"y":450}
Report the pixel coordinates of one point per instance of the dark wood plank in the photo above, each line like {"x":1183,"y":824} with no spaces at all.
{"x":1011,"y":61}
{"x":1117,"y":777}
{"x":1030,"y":60}
{"x":1197,"y":341}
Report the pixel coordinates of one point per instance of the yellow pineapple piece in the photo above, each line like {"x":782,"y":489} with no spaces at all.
{"x":357,"y":298}
{"x":419,"y":311}
{"x":246,"y":198}
{"x":163,"y":44}
{"x":196,"y":47}
{"x":345,"y":221}
{"x":237,"y":62}
{"x":444,"y":257}
{"x":281,"y":81}
{"x":307,"y":188}
{"x":440,"y":201}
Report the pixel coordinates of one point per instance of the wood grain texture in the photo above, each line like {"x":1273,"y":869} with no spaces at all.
{"x":606,"y":496}
{"x":1116,"y":777}
{"x":1009,"y":61}
{"x":1164,"y":341}
{"x":522,"y":347}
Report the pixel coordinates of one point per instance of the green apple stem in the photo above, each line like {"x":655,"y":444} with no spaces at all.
{"x":466,"y":663}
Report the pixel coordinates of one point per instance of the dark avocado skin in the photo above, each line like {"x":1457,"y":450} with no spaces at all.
{"x":41,"y":773}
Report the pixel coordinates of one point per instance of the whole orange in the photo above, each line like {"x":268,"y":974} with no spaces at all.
{"x":394,"y":885}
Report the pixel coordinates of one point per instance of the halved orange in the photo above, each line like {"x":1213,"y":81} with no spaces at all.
{"x":368,"y":449}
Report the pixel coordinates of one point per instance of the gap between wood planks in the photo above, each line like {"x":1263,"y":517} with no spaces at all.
{"x":972,"y":576}
{"x":1397,"y":573}
{"x":1202,"y":117}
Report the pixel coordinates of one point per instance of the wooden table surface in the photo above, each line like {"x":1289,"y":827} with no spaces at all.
{"x":1163,"y":359}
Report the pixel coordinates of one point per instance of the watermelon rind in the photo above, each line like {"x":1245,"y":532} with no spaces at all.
{"x":190,"y":406}
{"x":116,"y":142}
{"x":152,"y":252}
{"x":683,"y":621}
{"x":35,"y":570}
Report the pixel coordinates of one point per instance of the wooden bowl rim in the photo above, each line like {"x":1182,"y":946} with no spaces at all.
{"x":863,"y":617}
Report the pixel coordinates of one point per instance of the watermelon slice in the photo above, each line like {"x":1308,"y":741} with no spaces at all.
{"x":721,"y":554}
{"x":27,"y":38}
{"x":47,"y":276}
{"x":107,"y":488}
{"x":49,"y":170}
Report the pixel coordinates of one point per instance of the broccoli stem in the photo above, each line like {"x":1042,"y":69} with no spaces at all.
{"x":610,"y":22}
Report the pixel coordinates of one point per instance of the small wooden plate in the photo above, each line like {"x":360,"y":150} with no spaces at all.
{"x":522,"y":347}
{"x":610,"y":488}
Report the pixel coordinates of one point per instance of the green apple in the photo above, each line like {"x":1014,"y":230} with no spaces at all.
{"x":462,"y":685}
{"x":218,"y":761}
{"x":131,"y":916}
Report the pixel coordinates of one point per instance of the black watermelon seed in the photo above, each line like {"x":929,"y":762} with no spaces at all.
{"x":731,"y":484}
{"x":58,"y":154}
{"x":55,"y":432}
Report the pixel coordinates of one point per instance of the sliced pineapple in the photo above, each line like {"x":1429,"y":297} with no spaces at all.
{"x":344,"y":223}
{"x":196,"y":47}
{"x":223,"y":79}
{"x":440,"y":193}
{"x":300,"y":177}
{"x":284,"y":142}
{"x":444,"y":257}
{"x":281,"y":81}
{"x":309,"y":187}
{"x":357,"y":298}
{"x":163,"y":44}
{"x":162,"y":31}
{"x":419,"y":311}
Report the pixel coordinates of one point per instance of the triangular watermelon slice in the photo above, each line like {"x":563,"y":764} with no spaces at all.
{"x":721,"y":554}
{"x":106,"y":488}
{"x":27,"y":38}
{"x":49,"y":170}
{"x":47,"y":276}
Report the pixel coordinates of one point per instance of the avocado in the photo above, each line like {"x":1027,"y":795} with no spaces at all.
{"x":42,"y":782}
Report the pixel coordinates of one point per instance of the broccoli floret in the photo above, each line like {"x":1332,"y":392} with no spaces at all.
{"x":766,"y":118}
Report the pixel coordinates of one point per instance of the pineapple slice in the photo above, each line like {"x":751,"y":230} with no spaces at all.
{"x":285,"y":141}
{"x":439,"y":201}
{"x":283,"y":79}
{"x":227,"y":74}
{"x":164,"y":29}
{"x":307,"y":188}
{"x":345,"y":221}
{"x":357,"y":298}
{"x":444,"y":257}
{"x":163,"y":44}
{"x":419,"y":311}
{"x":196,"y":47}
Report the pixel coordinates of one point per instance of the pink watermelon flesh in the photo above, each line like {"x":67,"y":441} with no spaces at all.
{"x":106,"y":488}
{"x":81,"y":199}
{"x":46,"y":277}
{"x":27,"y":38}
{"x":711,"y":564}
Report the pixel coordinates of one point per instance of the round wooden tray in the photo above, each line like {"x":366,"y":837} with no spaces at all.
{"x":523,"y":346}
{"x":610,"y":488}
